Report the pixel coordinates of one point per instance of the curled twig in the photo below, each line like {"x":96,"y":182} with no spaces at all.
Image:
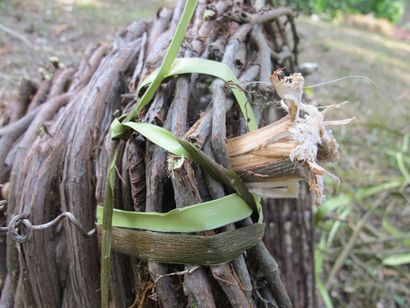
{"x":189,"y":270}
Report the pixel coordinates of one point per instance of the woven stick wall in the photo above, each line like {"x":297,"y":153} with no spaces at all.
{"x":54,"y":156}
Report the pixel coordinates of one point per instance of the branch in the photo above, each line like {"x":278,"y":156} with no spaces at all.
{"x":262,"y":16}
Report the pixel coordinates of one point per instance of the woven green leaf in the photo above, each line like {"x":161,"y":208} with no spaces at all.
{"x":208,"y":67}
{"x":169,"y":58}
{"x":177,"y":146}
{"x":195,"y":218}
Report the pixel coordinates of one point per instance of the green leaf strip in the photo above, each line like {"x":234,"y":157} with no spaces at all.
{"x":169,"y":58}
{"x":195,"y":218}
{"x":177,"y":146}
{"x":186,"y":248}
{"x":106,"y":233}
{"x":208,"y":67}
{"x":397,"y":260}
{"x":232,"y":209}
{"x":227,"y":177}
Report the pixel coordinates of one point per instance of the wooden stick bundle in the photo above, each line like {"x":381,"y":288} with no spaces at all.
{"x":54,"y":155}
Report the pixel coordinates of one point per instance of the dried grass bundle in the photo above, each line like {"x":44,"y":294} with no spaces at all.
{"x":274,"y":158}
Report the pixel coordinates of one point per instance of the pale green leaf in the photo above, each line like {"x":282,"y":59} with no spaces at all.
{"x":319,"y":255}
{"x":160,"y":136}
{"x":170,"y":55}
{"x":174,"y":145}
{"x":195,"y":218}
{"x":402,"y":167}
{"x":208,"y":67}
{"x":396,"y":260}
{"x":169,"y":58}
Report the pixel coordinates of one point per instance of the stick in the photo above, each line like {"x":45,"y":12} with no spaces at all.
{"x":155,"y":171}
{"x":40,"y":96}
{"x":27,"y":90}
{"x":196,"y":284}
{"x":60,"y":82}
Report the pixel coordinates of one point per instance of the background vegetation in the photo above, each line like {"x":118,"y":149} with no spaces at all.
{"x":389,"y":9}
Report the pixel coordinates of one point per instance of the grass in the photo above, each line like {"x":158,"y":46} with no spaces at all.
{"x":362,"y":257}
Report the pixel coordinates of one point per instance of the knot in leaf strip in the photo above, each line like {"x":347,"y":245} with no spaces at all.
{"x":118,"y":129}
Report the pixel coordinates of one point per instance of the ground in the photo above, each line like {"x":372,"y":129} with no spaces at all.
{"x":370,"y":213}
{"x":364,"y":226}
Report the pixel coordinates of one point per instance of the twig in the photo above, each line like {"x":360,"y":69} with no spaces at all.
{"x":270,"y":270}
{"x":296,"y":40}
{"x":218,"y":136}
{"x":189,"y":270}
{"x":143,"y":296}
{"x":139,"y":65}
{"x":17,"y":35}
{"x":40,"y":96}
{"x":265,"y":301}
{"x":231,"y":284}
{"x":234,"y":50}
{"x":198,"y":133}
{"x":27,"y":90}
{"x":262,"y":17}
{"x":186,"y":192}
{"x":82,"y":78}
{"x":60,"y":81}
{"x":264,"y":56}
{"x":155,"y":171}
{"x":158,"y":27}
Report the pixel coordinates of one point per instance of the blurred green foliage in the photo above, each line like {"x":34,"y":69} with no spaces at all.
{"x":389,"y":9}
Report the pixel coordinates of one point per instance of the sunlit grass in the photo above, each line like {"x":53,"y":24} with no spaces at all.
{"x":364,"y":225}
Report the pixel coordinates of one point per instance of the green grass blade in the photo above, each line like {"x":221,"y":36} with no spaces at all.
{"x":195,"y":218}
{"x":342,"y":200}
{"x":177,"y":146}
{"x":329,"y":206}
{"x":397,"y":260}
{"x":392,"y":230}
{"x":336,"y":225}
{"x":106,"y":238}
{"x":349,"y":246}
{"x":318,"y":270}
{"x":160,"y":136}
{"x":373,"y":190}
{"x":402,"y":167}
{"x":106,"y":235}
{"x":405,"y":143}
{"x":169,"y":58}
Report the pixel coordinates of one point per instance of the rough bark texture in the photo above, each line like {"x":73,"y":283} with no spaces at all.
{"x":289,"y":237}
{"x":54,"y":147}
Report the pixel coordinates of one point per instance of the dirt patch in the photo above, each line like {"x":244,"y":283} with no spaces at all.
{"x":32,"y":32}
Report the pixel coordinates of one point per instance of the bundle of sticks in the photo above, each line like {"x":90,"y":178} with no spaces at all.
{"x":54,"y":145}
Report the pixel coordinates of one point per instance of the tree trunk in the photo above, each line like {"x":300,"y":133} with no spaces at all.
{"x":54,"y":154}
